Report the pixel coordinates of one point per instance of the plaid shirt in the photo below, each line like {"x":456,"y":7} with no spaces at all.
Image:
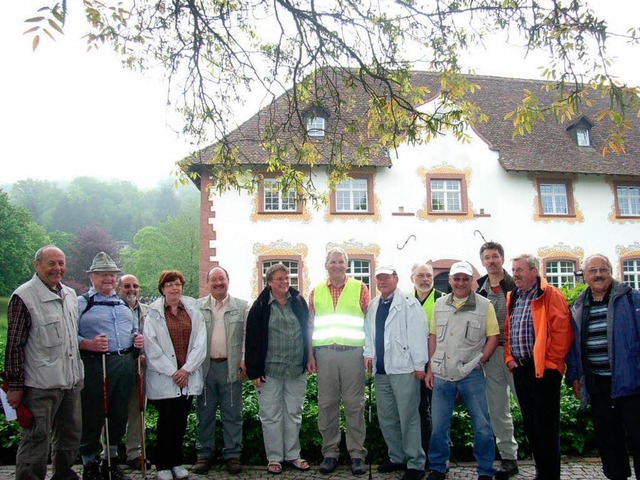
{"x":19,"y":325}
{"x":521,"y":334}
{"x":179,"y":326}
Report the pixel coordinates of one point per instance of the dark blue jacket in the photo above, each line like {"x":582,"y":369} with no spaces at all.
{"x":623,"y":334}
{"x":257,"y":335}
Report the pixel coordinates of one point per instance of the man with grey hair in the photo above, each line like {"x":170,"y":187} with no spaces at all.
{"x":225,"y":318}
{"x":44,"y":370}
{"x":426,"y":294}
{"x":604,"y":362}
{"x":337,"y":307}
{"x":494,"y":286}
{"x":128,"y":289}
{"x":537,"y":336}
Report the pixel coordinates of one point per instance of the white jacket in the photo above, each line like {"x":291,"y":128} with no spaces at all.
{"x":405,"y":334}
{"x":161,"y":357}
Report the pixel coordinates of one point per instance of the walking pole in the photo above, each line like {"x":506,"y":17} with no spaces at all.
{"x":143,"y":458}
{"x":369,"y":381}
{"x":105,"y":398}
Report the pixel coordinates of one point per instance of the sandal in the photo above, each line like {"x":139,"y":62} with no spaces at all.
{"x":274,"y":468}
{"x":299,"y":464}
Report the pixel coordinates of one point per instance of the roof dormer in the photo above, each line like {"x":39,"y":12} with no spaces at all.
{"x":316,"y":120}
{"x":580,"y":131}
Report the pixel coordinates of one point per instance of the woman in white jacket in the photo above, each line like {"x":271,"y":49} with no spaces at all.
{"x":175,"y":349}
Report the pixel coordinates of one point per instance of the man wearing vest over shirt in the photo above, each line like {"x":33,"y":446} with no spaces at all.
{"x":422,"y":279}
{"x":337,"y":307}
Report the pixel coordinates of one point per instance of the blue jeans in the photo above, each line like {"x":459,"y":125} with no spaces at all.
{"x":473,"y":389}
{"x":398,"y":396}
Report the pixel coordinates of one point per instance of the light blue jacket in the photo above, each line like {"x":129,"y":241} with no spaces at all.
{"x":405,"y":334}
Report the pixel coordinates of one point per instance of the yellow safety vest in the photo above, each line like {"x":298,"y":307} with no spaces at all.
{"x":343,"y":325}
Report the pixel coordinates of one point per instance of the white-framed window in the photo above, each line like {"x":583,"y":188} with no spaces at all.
{"x":628,"y":200}
{"x":352,"y":195}
{"x":360,"y":269}
{"x":631,"y":272}
{"x":292,"y":265}
{"x":560,"y":272}
{"x":274,"y":200}
{"x":553,"y":199}
{"x":446,"y":195}
{"x":583,"y":137}
{"x":316,"y":126}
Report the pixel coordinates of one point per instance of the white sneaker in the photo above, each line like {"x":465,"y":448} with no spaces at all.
{"x":179,"y":472}
{"x":165,"y":475}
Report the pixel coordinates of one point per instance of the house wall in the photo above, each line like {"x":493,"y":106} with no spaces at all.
{"x":502,"y":207}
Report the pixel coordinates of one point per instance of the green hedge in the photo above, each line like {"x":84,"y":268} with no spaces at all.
{"x":576,"y":427}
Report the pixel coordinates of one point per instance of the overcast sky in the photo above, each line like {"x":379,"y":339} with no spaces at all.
{"x":65,"y":112}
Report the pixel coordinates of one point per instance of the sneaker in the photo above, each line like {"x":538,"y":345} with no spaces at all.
{"x":413,"y":474}
{"x":234,"y":466}
{"x":357,"y":466}
{"x":201,"y":466}
{"x":113,"y":473}
{"x":165,"y":475}
{"x":179,"y":472}
{"x":91,"y":471}
{"x":436,"y":475}
{"x":388,"y":466}
{"x":507,"y":469}
{"x":328,"y":465}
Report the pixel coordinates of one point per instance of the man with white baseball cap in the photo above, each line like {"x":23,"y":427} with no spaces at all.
{"x":462,"y":338}
{"x":395,"y":347}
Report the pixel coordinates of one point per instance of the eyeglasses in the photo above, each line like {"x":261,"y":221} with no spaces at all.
{"x":594,"y":271}
{"x":131,"y":285}
{"x":172,"y":284}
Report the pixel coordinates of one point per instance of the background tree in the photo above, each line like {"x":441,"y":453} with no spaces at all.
{"x":173,"y":244}
{"x":81,"y":251}
{"x":20,"y":237}
{"x":217,"y":54}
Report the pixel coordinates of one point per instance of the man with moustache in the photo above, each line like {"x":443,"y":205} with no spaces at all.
{"x":225,"y":319}
{"x":463,"y":336}
{"x":396,"y":350}
{"x":128,"y":289}
{"x":494,"y":286}
{"x":44,"y":370}
{"x":605,"y":356}
{"x":107,"y":332}
{"x":422,"y":279}
{"x":336,"y":325}
{"x":537,"y":336}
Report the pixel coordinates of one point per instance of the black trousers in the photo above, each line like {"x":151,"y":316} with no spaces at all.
{"x":617,"y":425}
{"x":425,"y":417}
{"x":171,"y":427}
{"x":540,"y":406}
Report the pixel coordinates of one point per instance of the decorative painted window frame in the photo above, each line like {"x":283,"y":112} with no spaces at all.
{"x":616,"y":204}
{"x":574,"y":215}
{"x":546,"y":261}
{"x":447,"y":173}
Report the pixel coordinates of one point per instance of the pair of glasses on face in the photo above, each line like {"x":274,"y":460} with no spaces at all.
{"x":601,"y":270}
{"x":173,"y":284}
{"x":131,"y":285}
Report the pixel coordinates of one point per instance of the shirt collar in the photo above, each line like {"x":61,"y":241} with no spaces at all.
{"x":219,"y":303}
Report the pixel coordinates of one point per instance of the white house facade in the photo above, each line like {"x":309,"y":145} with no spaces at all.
{"x":435,"y":203}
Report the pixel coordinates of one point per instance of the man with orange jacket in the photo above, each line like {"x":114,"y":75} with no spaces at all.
{"x":538,"y":335}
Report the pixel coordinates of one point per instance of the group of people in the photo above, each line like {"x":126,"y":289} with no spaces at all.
{"x":78,"y":364}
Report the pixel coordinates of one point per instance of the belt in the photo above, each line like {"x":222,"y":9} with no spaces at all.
{"x":219,"y":360}
{"x":124,"y":351}
{"x":523,"y":361}
{"x":339,"y":348}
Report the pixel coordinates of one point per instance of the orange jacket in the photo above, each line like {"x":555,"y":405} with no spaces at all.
{"x":551,"y":326}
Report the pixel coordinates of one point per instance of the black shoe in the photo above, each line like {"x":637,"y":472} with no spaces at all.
{"x":507,"y":469}
{"x":91,"y":471}
{"x":358,"y":467}
{"x":436,"y":475}
{"x":485,"y":477}
{"x":388,"y":466}
{"x":328,"y":465}
{"x":412,"y":474}
{"x":113,"y":473}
